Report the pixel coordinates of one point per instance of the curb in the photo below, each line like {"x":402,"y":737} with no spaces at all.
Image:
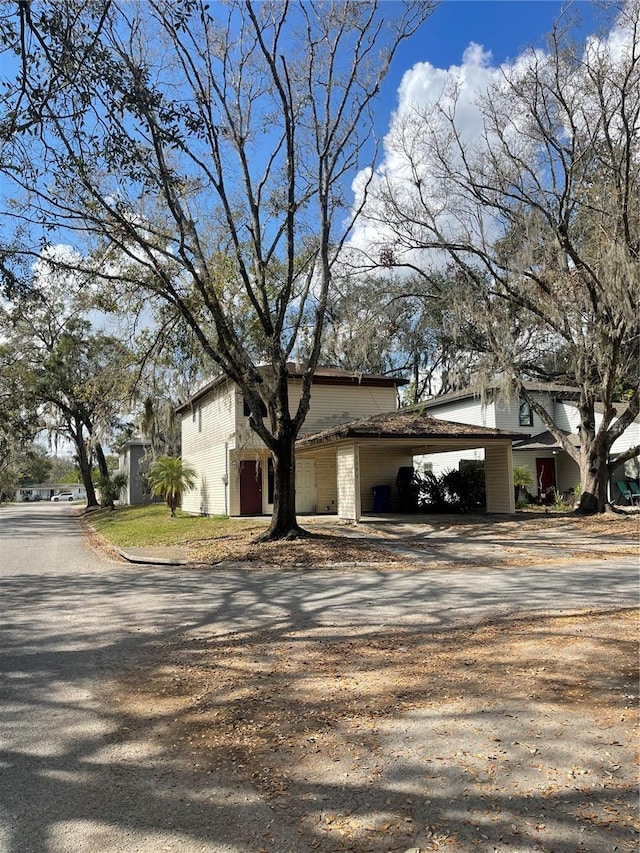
{"x":152,"y":559}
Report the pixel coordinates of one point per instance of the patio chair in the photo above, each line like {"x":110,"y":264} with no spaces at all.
{"x":630,"y":494}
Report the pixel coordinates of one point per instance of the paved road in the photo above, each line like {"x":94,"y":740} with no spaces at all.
{"x":74,"y":778}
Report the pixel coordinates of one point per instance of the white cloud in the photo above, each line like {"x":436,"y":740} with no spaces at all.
{"x":421,"y":88}
{"x":429,"y":97}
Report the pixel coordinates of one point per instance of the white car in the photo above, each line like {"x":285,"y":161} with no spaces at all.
{"x":63,"y":496}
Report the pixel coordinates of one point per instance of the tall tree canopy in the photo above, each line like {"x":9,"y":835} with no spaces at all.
{"x":201,"y":151}
{"x":73,"y":380}
{"x":538,"y":212}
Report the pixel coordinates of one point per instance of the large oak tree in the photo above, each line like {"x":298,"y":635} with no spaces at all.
{"x":202,"y":152}
{"x":538,"y":214}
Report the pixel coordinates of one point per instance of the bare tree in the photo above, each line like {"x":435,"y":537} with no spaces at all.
{"x":201,"y":152}
{"x":385,"y":322}
{"x":540,"y":216}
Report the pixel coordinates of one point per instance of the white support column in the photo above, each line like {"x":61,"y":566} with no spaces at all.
{"x":498,"y":472}
{"x":348,"y":477}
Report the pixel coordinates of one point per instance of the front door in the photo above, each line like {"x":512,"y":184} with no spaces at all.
{"x":305,"y":485}
{"x":250,"y":487}
{"x":546,"y":479}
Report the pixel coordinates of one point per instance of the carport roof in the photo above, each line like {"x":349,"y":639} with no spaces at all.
{"x":546,"y":441}
{"x":410,"y":423}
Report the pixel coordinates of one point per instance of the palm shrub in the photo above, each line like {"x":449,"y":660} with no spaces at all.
{"x":170,"y":478}
{"x":522,"y":477}
{"x":110,"y":488}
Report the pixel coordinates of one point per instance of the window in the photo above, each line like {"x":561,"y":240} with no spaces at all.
{"x":526,"y":414}
{"x":199,"y":419}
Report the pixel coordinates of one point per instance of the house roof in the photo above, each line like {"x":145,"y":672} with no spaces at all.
{"x":321,"y":376}
{"x":545,"y":441}
{"x":410,"y":423}
{"x":476,"y":391}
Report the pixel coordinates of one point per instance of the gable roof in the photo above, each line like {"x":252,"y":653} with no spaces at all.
{"x":410,"y":423}
{"x":476,"y":392}
{"x":321,"y":376}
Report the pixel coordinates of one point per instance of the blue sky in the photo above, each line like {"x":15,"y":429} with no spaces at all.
{"x":503,"y":27}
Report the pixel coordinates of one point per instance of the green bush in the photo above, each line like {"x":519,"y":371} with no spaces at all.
{"x":460,"y":490}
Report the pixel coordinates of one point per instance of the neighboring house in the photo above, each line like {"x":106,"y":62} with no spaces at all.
{"x":550,"y":465}
{"x":351,"y":449}
{"x":132,"y":462}
{"x":45,"y":491}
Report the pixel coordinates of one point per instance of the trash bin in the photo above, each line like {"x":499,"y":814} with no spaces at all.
{"x":381,"y":498}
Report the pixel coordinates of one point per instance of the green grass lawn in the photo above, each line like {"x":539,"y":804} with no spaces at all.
{"x":140,"y":526}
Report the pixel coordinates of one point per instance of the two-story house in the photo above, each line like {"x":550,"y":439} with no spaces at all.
{"x":537,"y":450}
{"x":353,"y":442}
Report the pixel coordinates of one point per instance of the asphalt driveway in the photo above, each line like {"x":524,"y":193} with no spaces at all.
{"x":76,"y":777}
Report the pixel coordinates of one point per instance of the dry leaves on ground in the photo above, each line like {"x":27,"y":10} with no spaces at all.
{"x":303,"y":713}
{"x":318,"y":549}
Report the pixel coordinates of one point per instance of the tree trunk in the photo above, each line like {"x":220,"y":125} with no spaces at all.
{"x":594,"y":477}
{"x":101,"y":460}
{"x":83,"y":463}
{"x":284,"y":524}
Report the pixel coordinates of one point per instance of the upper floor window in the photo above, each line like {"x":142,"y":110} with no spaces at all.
{"x":526,"y":414}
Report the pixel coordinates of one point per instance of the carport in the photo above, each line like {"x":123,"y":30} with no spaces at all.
{"x":354,"y":458}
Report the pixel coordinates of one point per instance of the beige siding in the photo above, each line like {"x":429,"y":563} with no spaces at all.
{"x":348,"y":478}
{"x":206,"y":429}
{"x":326,"y":481}
{"x":246,"y":441}
{"x":498,"y":471}
{"x":331,"y":405}
{"x":379,"y":467}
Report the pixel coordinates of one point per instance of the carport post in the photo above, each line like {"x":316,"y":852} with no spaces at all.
{"x":348,"y":474}
{"x":498,"y":472}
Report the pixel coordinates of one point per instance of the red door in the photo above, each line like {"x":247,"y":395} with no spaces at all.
{"x":250,"y":488}
{"x":546,"y":478}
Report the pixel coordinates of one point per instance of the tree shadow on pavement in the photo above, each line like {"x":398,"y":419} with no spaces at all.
{"x":190,"y":757}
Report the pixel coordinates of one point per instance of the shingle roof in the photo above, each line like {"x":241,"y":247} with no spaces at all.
{"x":476,"y":391}
{"x":545,"y":441}
{"x":404,"y":423}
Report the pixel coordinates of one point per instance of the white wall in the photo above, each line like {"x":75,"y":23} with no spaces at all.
{"x":443,"y":462}
{"x":468,"y":411}
{"x":326,"y":482}
{"x":507,"y":415}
